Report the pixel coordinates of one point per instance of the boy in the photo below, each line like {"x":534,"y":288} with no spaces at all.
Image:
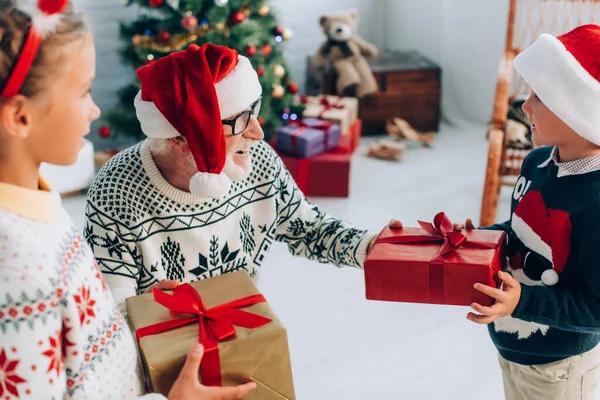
{"x":546,"y":319}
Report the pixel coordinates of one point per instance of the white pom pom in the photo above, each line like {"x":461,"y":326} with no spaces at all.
{"x":204,"y":184}
{"x":45,"y":16}
{"x":549,"y":277}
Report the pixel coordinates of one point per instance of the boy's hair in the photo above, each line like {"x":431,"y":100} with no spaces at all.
{"x":14,"y":26}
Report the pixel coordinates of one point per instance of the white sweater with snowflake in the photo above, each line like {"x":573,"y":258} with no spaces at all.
{"x":62,"y":336}
{"x":143,"y":230}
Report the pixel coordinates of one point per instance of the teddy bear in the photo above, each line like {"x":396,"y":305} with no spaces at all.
{"x":345,"y":51}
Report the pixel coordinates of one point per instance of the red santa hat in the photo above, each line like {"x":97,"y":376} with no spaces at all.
{"x":564,"y":72}
{"x":545,"y":231}
{"x":188,"y":93}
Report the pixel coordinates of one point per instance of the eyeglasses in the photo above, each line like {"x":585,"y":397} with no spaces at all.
{"x":241,"y":121}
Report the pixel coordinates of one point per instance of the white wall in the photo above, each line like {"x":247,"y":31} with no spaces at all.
{"x":465,"y":37}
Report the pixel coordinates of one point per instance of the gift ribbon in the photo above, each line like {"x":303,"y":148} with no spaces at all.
{"x":323,"y":126}
{"x":327,"y":105}
{"x":440,"y":231}
{"x":214,"y":324}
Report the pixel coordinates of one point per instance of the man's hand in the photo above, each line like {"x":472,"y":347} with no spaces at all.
{"x":187,"y":386}
{"x":468,"y":225}
{"x":394,"y":224}
{"x":507,"y":300}
{"x":165,"y":284}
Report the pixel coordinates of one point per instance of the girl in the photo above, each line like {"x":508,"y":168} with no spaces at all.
{"x":62,"y":336}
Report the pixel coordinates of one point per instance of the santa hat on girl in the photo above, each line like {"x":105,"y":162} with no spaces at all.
{"x":45,"y":16}
{"x":188,"y":93}
{"x":564,"y":72}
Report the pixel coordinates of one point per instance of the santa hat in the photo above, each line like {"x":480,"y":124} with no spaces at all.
{"x":188,"y":93}
{"x":564,"y":72}
{"x":544,"y":231}
{"x":45,"y":16}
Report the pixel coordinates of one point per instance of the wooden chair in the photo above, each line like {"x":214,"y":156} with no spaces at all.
{"x":527,"y":20}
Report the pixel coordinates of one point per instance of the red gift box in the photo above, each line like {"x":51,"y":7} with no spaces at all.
{"x":350,"y":141}
{"x":326,"y":175}
{"x":434,"y":264}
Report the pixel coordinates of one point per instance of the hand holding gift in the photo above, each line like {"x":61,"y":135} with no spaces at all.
{"x":434,"y":263}
{"x":468,"y":225}
{"x":187,"y":386}
{"x":507,"y":298}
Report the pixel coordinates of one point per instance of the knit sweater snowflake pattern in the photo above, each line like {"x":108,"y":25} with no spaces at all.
{"x":62,"y":336}
{"x":553,"y":237}
{"x":143,"y":230}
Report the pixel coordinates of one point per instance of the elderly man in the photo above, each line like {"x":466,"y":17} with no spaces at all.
{"x":203,"y":196}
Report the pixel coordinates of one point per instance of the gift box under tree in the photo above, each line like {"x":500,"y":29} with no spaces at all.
{"x":307,"y":138}
{"x":243,"y":339}
{"x":342,"y":111}
{"x":434,"y":264}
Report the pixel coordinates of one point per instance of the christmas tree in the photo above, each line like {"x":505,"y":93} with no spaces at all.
{"x":249,"y":26}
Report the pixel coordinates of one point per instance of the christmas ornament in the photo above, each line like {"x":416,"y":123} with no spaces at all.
{"x":163,"y":36}
{"x":156,"y":3}
{"x":293,"y":88}
{"x":278,"y":30}
{"x":287,"y":34}
{"x":264,"y":10}
{"x":220,"y":26}
{"x":260,"y":71}
{"x":279,"y":71}
{"x":136,"y":39}
{"x":104,"y":132}
{"x":278,"y":91}
{"x":250,"y":50}
{"x":261,"y":121}
{"x":267,"y":50}
{"x":221,"y":3}
{"x":238,"y":17}
{"x":247,"y":12}
{"x":189,"y":22}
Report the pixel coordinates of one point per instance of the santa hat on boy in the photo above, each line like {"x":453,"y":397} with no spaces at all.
{"x":188,"y":93}
{"x":564,"y":72}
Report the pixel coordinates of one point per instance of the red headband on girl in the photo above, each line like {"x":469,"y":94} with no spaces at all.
{"x":45,"y":15}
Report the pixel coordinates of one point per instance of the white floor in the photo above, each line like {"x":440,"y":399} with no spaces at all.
{"x":344,"y":347}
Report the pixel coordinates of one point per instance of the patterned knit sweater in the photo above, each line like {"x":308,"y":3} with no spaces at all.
{"x":61,"y":334}
{"x":553,"y":237}
{"x":143,"y":230}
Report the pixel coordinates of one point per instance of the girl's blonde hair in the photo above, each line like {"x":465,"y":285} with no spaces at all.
{"x":14,"y":26}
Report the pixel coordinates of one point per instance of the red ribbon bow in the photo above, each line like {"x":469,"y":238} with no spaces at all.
{"x":327,"y":105}
{"x":215,"y":324}
{"x":323,"y":126}
{"x":440,"y":231}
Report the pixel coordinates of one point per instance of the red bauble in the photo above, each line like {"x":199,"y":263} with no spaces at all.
{"x":50,"y":7}
{"x":104,"y":132}
{"x":238,"y":17}
{"x":163,"y":36}
{"x":260,"y":71}
{"x":250,"y":50}
{"x":261,"y":121}
{"x":278,"y":30}
{"x":156,"y":3}
{"x":190,"y":23}
{"x":293,"y":87}
{"x":267,"y":50}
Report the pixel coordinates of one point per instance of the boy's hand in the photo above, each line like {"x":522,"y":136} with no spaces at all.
{"x":468,"y":225}
{"x":507,"y":299}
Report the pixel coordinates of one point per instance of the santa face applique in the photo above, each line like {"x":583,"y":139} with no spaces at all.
{"x":538,"y":250}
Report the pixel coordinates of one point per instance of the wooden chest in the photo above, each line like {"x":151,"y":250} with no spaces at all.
{"x":409,"y":88}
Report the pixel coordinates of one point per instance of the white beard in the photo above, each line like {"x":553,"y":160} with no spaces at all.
{"x":236,"y":172}
{"x":523,"y":329}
